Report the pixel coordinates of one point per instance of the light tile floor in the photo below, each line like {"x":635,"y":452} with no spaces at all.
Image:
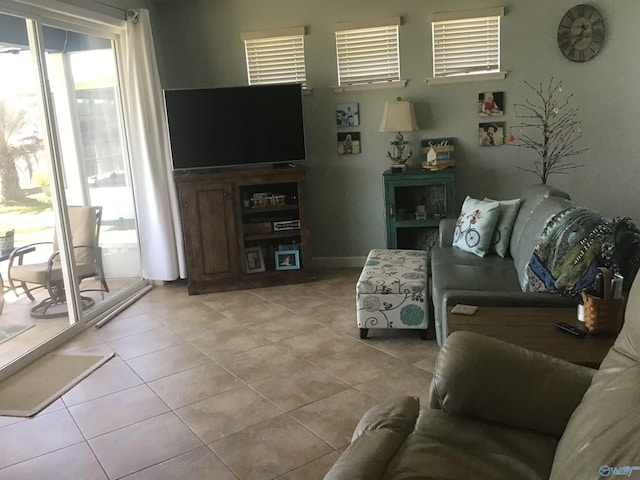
{"x":252,"y":385}
{"x":17,"y":311}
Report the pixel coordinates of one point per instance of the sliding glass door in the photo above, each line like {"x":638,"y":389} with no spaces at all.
{"x":71,"y":252}
{"x":83,"y":79}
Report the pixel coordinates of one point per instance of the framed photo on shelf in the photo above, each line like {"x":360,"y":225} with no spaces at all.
{"x":253,"y":260}
{"x":287,"y":260}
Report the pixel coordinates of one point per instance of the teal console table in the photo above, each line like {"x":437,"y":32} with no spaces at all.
{"x":405,"y":194}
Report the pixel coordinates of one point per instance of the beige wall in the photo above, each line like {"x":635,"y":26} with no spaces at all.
{"x":198,"y":45}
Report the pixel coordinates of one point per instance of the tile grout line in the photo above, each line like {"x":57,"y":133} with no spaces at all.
{"x":323,"y":293}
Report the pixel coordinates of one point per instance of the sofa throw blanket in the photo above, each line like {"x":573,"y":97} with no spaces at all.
{"x":572,"y":246}
{"x":626,"y":252}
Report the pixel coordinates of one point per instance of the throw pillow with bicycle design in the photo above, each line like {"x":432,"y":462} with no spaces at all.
{"x":471,"y":235}
{"x":475,"y":226}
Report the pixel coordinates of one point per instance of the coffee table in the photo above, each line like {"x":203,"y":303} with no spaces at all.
{"x":534,"y":328}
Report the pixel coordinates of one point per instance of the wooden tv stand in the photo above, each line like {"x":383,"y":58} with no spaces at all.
{"x":227,"y":217}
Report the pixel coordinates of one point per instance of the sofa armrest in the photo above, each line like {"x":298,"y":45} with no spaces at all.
{"x":485,"y":378}
{"x":376,"y":439}
{"x":445,"y":231}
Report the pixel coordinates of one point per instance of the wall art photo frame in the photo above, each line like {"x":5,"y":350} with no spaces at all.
{"x":490,"y":104}
{"x":347,"y":115}
{"x":287,"y":260}
{"x":349,"y":143}
{"x":491,"y":134}
{"x":253,"y":260}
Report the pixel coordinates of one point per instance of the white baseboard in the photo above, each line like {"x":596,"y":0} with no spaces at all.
{"x":338,"y":262}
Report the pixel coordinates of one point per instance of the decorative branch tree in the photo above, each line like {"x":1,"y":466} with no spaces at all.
{"x":550,"y":128}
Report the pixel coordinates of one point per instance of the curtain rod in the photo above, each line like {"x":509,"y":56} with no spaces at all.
{"x":126,"y":11}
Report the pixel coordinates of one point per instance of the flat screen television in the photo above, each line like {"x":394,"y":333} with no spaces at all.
{"x":235,"y":126}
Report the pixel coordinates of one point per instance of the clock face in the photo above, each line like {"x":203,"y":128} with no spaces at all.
{"x":581,"y":33}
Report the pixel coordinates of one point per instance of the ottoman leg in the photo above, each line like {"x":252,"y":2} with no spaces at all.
{"x":363,"y":333}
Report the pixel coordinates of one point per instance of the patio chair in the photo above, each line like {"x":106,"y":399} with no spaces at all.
{"x":85,"y":231}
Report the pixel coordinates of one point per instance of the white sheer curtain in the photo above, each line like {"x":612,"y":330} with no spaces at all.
{"x":161,"y":243}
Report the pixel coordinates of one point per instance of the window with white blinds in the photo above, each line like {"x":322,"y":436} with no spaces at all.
{"x":368,"y":55}
{"x":275,"y":57}
{"x":463,"y":46}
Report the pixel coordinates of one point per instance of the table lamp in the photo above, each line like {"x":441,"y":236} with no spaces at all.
{"x":399,"y":117}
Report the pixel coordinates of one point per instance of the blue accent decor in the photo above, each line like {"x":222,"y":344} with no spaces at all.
{"x":411,"y":315}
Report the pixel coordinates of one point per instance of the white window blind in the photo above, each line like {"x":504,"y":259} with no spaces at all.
{"x":368,"y":55}
{"x":275,"y":59}
{"x":466,"y":46}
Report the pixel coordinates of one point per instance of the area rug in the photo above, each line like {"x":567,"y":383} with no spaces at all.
{"x":7,"y":332}
{"x":36,"y":386}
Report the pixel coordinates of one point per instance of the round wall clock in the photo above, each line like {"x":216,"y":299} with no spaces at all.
{"x":581,"y":33}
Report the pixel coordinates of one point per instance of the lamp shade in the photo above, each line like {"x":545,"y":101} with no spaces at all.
{"x":398,"y":116}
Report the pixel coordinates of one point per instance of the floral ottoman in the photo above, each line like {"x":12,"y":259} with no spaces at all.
{"x":391,"y":291}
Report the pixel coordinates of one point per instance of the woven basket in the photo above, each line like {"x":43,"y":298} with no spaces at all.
{"x":603,"y":316}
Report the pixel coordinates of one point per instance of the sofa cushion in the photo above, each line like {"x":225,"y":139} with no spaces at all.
{"x":448,"y":447}
{"x":453,"y":268}
{"x":531,"y":198}
{"x":469,"y":381}
{"x":475,"y":225}
{"x":523,"y":247}
{"x":502,"y":233}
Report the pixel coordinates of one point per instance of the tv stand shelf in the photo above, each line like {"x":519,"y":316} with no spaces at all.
{"x":269,"y":236}
{"x":273,"y":208}
{"x":222,"y":227}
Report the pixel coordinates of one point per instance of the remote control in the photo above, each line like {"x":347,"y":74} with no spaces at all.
{"x":575,"y":331}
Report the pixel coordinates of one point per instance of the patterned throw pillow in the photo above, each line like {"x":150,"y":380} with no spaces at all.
{"x":475,"y":225}
{"x":504,"y":227}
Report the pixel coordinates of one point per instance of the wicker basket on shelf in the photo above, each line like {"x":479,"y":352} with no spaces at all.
{"x":603,"y":316}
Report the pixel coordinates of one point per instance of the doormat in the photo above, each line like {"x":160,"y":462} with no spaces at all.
{"x":7,"y":332}
{"x":41,"y":383}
